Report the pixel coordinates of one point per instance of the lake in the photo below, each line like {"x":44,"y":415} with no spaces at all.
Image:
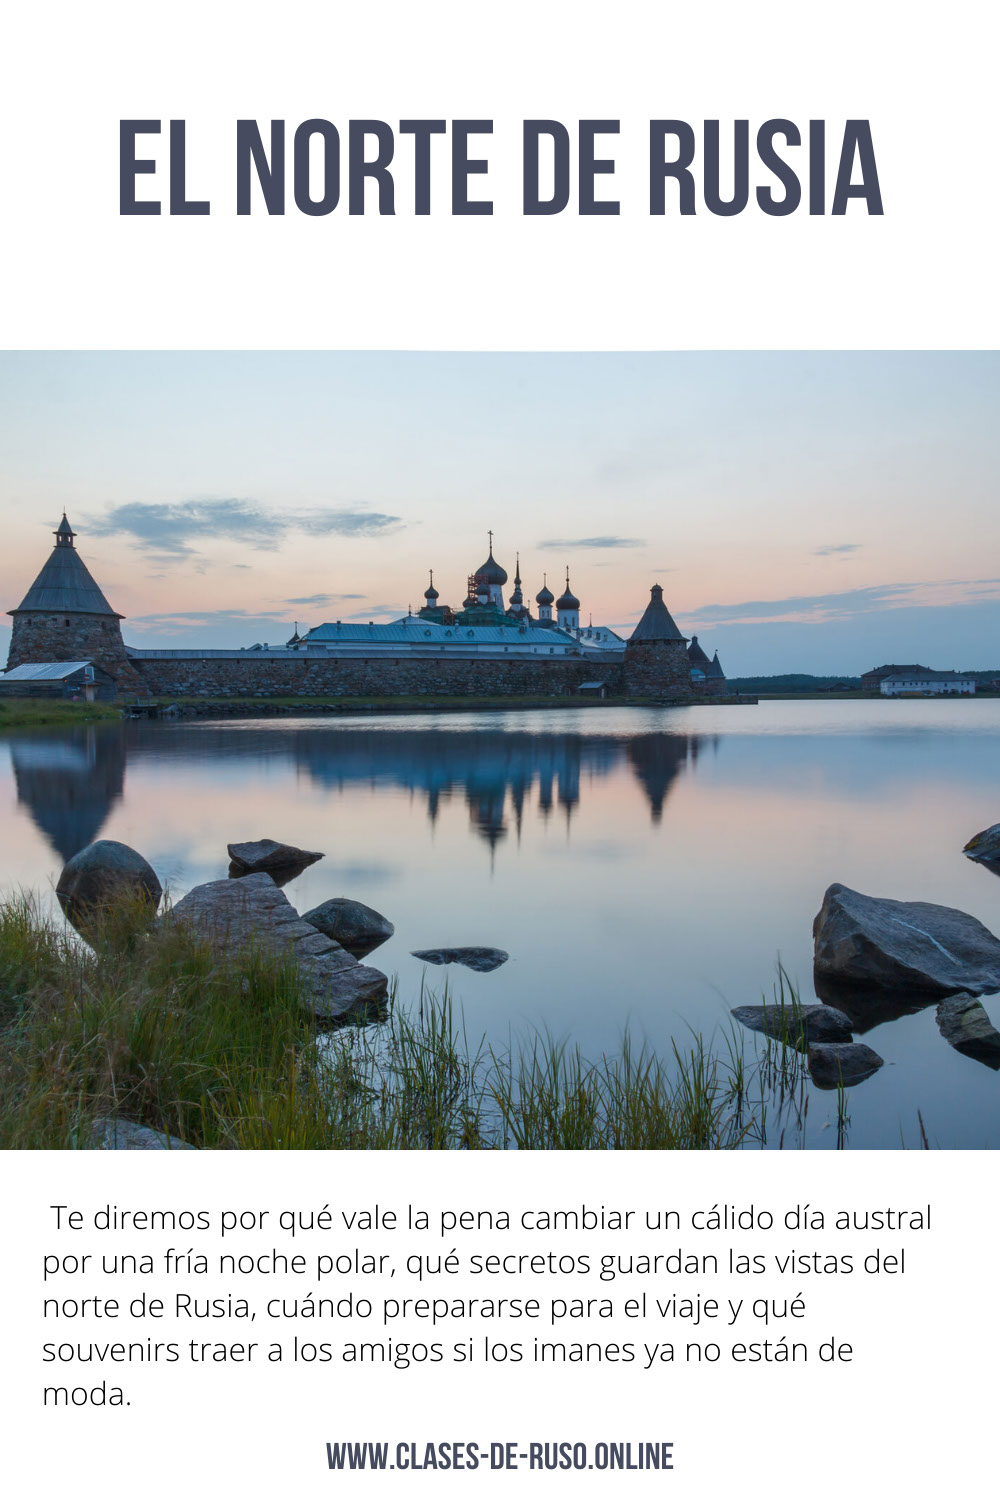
{"x":644,"y":868}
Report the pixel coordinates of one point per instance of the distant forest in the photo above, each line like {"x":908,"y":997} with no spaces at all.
{"x":802,"y":682}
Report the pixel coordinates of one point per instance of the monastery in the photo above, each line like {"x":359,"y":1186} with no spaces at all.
{"x":490,"y":646}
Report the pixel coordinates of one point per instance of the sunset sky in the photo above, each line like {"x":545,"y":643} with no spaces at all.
{"x":804,"y":512}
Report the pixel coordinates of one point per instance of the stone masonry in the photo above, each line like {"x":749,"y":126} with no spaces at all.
{"x":657,"y":669}
{"x":656,"y":661}
{"x":38,"y":637}
{"x":363,"y":677}
{"x":65,"y":617}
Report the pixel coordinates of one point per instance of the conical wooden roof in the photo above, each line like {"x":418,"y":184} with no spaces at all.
{"x":64,"y":586}
{"x":657,"y":622}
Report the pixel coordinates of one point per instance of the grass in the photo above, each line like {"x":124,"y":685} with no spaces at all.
{"x":149,"y":1025}
{"x":25,"y":713}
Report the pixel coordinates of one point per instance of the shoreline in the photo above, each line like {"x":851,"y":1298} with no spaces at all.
{"x":137,"y":1038}
{"x":45,"y":714}
{"x":268,"y":707}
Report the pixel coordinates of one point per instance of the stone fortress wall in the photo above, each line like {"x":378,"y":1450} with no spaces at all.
{"x":65,"y":617}
{"x":365,"y":677}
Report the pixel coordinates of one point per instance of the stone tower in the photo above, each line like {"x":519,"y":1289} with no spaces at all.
{"x":65,"y":617}
{"x":656,"y":664}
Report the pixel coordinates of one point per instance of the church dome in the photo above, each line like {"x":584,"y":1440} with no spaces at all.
{"x":491,"y":571}
{"x":545,"y":595}
{"x":569,"y":599}
{"x":431,"y":593}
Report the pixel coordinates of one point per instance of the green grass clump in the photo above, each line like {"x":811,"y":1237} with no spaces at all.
{"x":147,"y":1023}
{"x":26,"y":713}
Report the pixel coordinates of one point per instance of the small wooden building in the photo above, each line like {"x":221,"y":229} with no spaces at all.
{"x":73,"y":681}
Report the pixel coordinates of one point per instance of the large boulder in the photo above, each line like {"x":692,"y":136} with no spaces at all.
{"x":254,"y":913}
{"x":963,"y":1022}
{"x":834,"y":1065}
{"x":985,"y":846}
{"x":267,"y":854}
{"x":111,"y":1134}
{"x":797,"y":1025}
{"x":105,"y":873}
{"x":482,"y":960}
{"x":869,"y":940}
{"x":356,"y":927}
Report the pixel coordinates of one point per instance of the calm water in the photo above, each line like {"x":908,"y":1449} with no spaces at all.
{"x":642,"y":867}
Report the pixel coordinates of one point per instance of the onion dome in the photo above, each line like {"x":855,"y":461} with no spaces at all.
{"x":431,"y":594}
{"x":567,"y":600}
{"x":517,"y":598}
{"x":545,"y":594}
{"x":491,"y":571}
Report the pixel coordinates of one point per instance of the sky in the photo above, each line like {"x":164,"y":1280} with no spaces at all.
{"x":809,"y":512}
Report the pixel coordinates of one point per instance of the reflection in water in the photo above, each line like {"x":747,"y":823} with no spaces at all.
{"x":642,"y":868}
{"x":496,"y":771}
{"x":868,"y":1008}
{"x":70,"y":788}
{"x":70,"y":784}
{"x":657,"y":760}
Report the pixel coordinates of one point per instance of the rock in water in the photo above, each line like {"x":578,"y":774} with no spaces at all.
{"x":356,"y":927}
{"x":798,"y":1025}
{"x":110,"y":1134}
{"x":281,"y":874}
{"x":253,"y":912}
{"x":267,"y":854}
{"x":832,"y":1064}
{"x":480,"y":959}
{"x":106,"y":872}
{"x":866,"y":1007}
{"x":963,"y":1022}
{"x":986,"y":845}
{"x":903,"y":944}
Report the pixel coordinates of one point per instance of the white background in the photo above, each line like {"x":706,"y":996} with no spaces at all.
{"x":912,"y":1413}
{"x":78,"y":275}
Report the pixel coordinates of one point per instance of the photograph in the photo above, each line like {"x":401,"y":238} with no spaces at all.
{"x":499,"y":751}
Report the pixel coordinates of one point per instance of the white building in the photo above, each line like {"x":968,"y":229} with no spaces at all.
{"x":601,"y":638}
{"x":413,"y":636}
{"x":925,"y":681}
